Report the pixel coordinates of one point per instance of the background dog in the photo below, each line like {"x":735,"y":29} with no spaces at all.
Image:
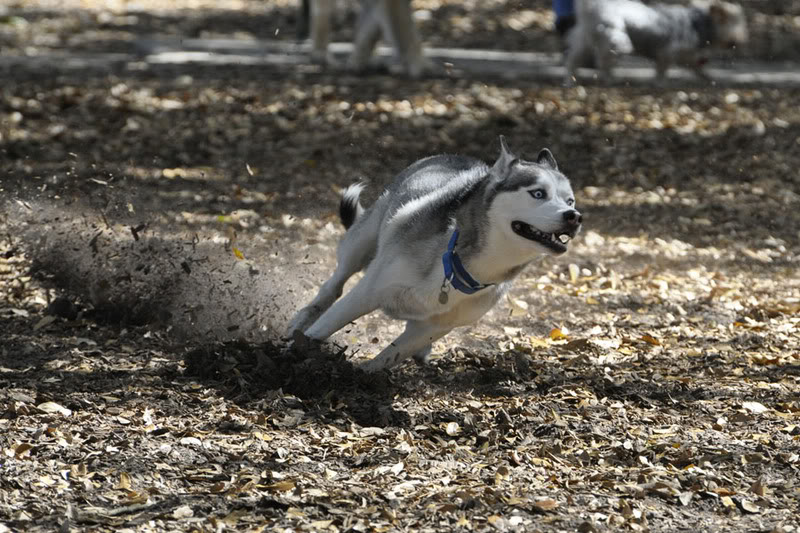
{"x":391,"y":19}
{"x":668,"y":34}
{"x":441,"y":246}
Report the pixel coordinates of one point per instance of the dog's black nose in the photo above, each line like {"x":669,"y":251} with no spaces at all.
{"x":573,"y":218}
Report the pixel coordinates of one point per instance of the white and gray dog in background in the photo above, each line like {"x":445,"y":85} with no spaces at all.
{"x":669,"y":34}
{"x":441,"y":246}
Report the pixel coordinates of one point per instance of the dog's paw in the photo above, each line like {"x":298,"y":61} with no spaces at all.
{"x":302,"y":320}
{"x":372,"y":366}
{"x":419,"y":68}
{"x":423,"y":357}
{"x":325,"y":59}
{"x":302,"y":343}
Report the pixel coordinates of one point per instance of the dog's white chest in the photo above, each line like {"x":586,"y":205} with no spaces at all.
{"x":423,"y":301}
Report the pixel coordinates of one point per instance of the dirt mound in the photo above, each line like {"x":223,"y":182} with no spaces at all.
{"x":320,"y":376}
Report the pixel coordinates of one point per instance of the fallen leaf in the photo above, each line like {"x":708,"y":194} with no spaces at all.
{"x":184,"y":511}
{"x":727,"y":501}
{"x":124,"y":481}
{"x":45,"y":321}
{"x":53,"y":407}
{"x":518,"y":307}
{"x":217,"y":487}
{"x":755,"y":407}
{"x":649,"y":339}
{"x":574,"y":272}
{"x":22,"y":449}
{"x":545,"y":504}
{"x":281,"y":486}
{"x":452,"y":429}
{"x":749,"y":506}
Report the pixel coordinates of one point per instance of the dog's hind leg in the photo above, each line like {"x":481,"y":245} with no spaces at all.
{"x":354,"y":253}
{"x":415,"y":340}
{"x":611,"y":42}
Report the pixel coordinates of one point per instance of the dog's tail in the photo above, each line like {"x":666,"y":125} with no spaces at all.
{"x":350,"y":209}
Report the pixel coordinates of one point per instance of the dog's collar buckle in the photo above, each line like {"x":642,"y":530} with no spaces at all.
{"x":455,"y":274}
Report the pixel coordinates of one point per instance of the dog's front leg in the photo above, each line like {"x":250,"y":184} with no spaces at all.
{"x":358,"y":302}
{"x":416,"y":338}
{"x":328,"y":293}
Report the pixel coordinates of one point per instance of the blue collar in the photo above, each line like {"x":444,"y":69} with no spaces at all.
{"x":455,"y":273}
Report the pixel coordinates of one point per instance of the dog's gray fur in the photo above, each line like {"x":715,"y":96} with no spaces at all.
{"x":668,"y":34}
{"x":400,"y":240}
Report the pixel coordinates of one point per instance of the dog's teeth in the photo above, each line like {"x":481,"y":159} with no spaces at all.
{"x":564,"y":238}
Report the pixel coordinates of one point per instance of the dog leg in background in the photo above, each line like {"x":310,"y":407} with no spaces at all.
{"x":577,"y":50}
{"x":303,"y":19}
{"x":368,"y":32}
{"x":697,"y":67}
{"x":395,"y":21}
{"x":414,"y":341}
{"x":399,"y":27}
{"x":321,"y":14}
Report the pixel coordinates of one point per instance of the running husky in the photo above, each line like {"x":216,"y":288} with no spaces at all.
{"x":441,"y":246}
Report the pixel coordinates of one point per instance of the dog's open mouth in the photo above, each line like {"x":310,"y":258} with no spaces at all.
{"x":557,"y":242}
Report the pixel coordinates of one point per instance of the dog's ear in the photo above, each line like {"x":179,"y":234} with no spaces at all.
{"x":717,"y":12}
{"x":506,"y":159}
{"x":546,"y":158}
{"x":720,"y":12}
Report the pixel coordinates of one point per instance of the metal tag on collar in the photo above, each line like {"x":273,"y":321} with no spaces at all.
{"x":443,"y":296}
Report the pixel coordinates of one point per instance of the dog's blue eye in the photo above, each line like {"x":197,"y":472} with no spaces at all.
{"x":539,"y":194}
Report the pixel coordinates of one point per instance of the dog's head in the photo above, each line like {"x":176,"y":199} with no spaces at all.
{"x":729,"y":23}
{"x":532,"y":202}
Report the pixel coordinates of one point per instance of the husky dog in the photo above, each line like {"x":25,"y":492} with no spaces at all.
{"x":441,"y":246}
{"x":666,"y":33}
{"x":392,"y":18}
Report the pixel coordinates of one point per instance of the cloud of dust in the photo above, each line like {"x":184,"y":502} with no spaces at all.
{"x":121,"y":269}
